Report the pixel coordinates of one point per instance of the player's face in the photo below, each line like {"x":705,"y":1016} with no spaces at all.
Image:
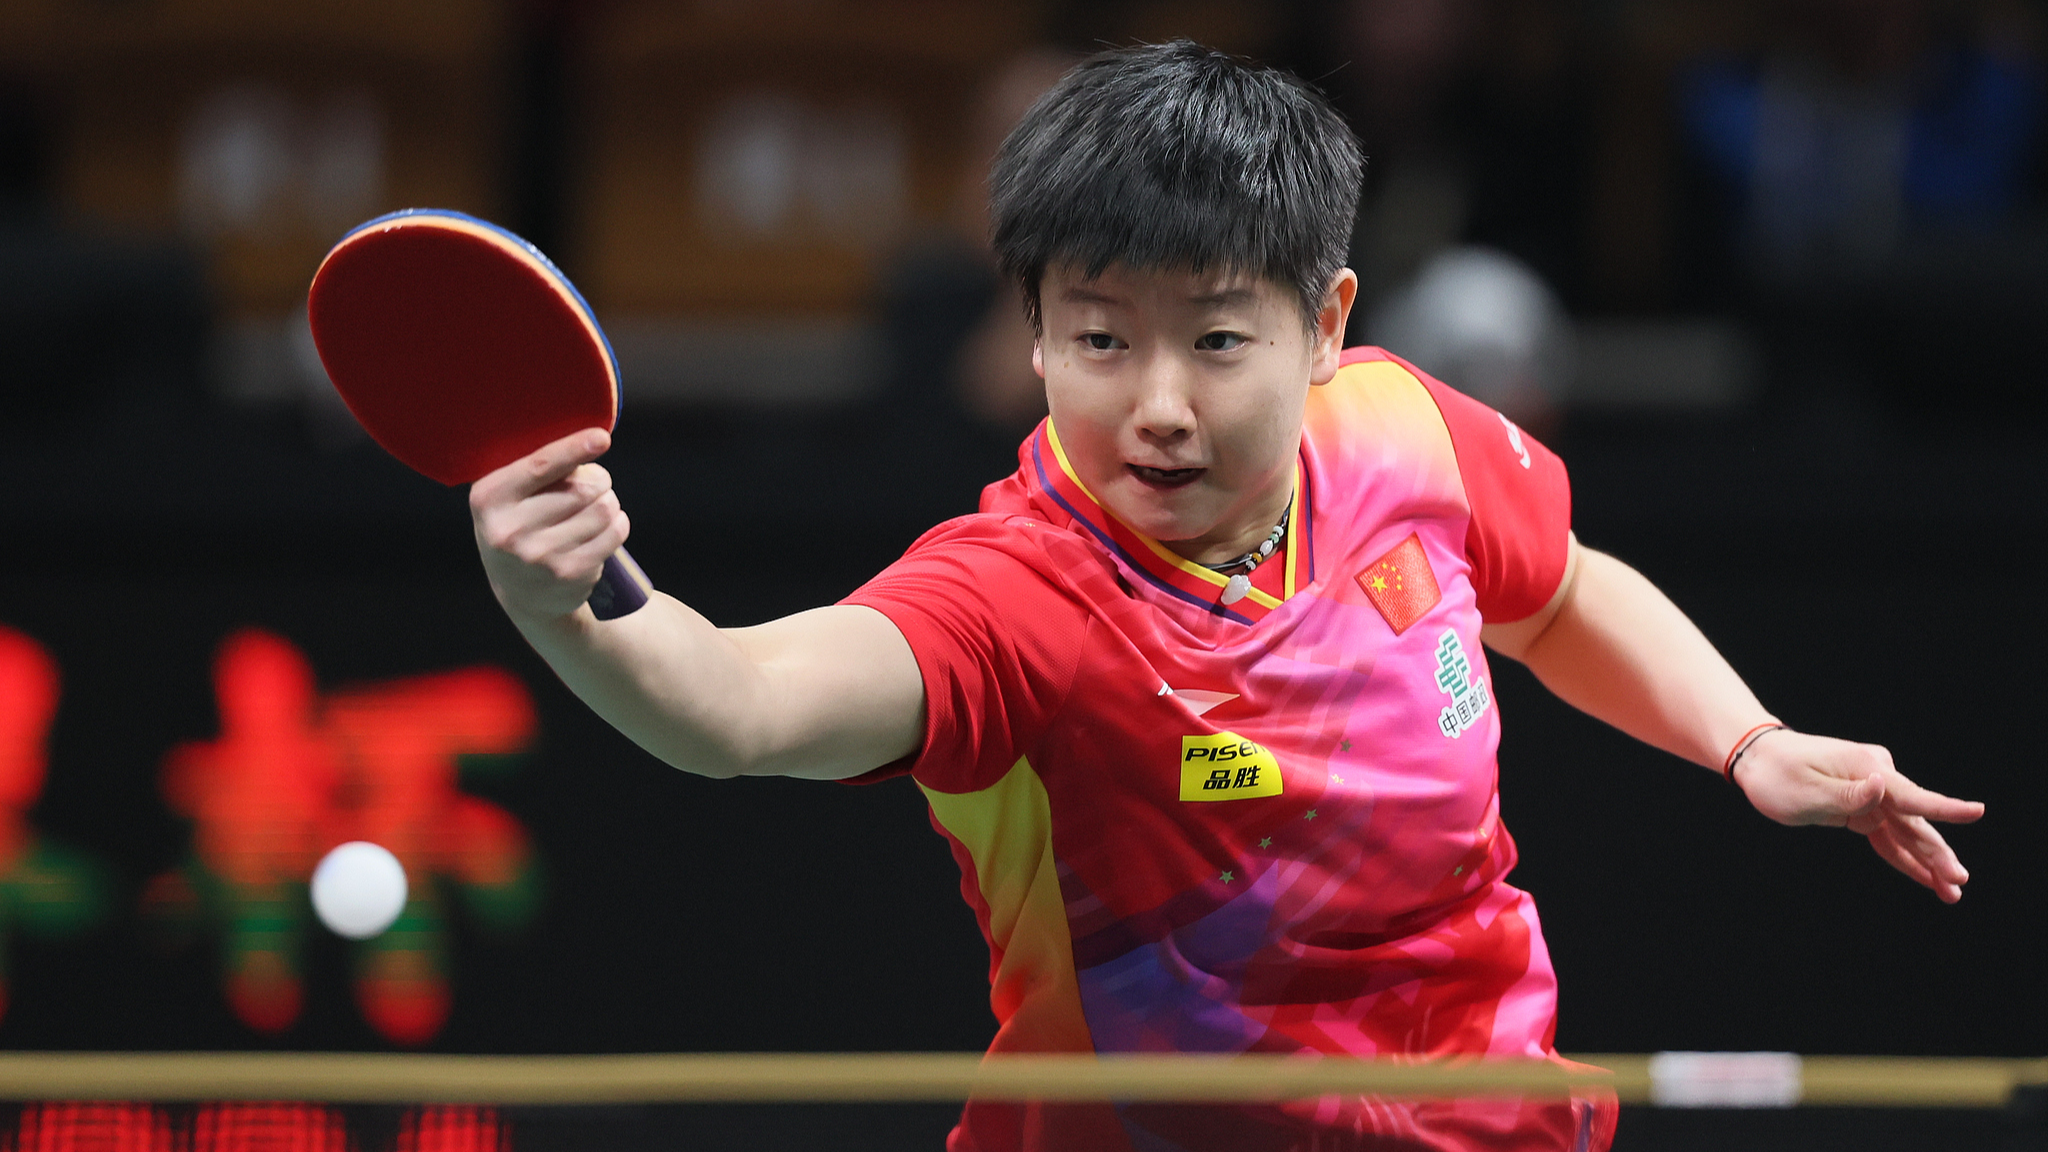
{"x":1178,"y":396}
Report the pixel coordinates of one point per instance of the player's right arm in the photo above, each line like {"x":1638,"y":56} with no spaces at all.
{"x":826,"y":694}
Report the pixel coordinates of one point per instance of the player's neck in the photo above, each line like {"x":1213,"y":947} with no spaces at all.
{"x":1266,"y":525}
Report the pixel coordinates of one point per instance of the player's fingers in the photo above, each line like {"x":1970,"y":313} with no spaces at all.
{"x":592,"y":521}
{"x":587,"y":481}
{"x":1913,"y":800}
{"x":1929,"y":847}
{"x":1915,"y":838}
{"x":551,"y":463}
{"x":561,"y":458}
{"x":1886,"y":843}
{"x":1896,"y":854}
{"x":557,"y":546}
{"x":585,"y":485}
{"x":523,"y":528}
{"x":509,"y":487}
{"x":592,"y":553}
{"x":1846,"y":801}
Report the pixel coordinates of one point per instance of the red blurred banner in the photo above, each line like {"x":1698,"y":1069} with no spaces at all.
{"x":296,"y":772}
{"x":243,"y":1127}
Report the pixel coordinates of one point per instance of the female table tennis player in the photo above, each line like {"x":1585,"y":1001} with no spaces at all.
{"x":1200,"y":697}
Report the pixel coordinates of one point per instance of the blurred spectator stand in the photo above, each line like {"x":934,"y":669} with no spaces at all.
{"x":1859,"y":180}
{"x":258,"y":133}
{"x":745,"y":169}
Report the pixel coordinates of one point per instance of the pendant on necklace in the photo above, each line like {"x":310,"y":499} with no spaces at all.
{"x":1235,"y":588}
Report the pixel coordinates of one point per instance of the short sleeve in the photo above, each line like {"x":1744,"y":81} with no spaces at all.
{"x":1519,"y":538}
{"x":996,"y":638}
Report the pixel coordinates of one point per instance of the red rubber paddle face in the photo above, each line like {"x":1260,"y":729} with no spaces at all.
{"x":457,"y":345}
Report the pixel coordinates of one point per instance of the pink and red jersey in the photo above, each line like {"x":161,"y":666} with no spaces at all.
{"x":1269,"y":826}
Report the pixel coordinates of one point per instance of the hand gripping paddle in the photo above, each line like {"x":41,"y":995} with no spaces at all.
{"x":461,"y":348}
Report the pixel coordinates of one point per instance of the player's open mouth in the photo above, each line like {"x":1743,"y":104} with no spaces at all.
{"x":1165,"y":477}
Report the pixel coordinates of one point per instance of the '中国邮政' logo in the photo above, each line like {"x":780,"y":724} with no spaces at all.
{"x":1226,"y":766}
{"x":1469,"y":697}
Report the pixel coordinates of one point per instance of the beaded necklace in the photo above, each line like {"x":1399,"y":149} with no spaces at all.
{"x":1240,"y":582}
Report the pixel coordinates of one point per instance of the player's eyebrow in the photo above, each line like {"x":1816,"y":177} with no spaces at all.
{"x":1225,"y":297}
{"x":1075,"y":294}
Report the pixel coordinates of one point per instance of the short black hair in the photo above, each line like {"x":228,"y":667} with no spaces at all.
{"x":1177,"y":156}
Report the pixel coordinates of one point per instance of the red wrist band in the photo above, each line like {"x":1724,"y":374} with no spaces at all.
{"x":1742,"y":746}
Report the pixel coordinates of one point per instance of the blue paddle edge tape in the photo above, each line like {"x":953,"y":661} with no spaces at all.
{"x":618,"y":381}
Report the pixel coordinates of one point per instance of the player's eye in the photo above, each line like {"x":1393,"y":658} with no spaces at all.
{"x":1219,"y":342}
{"x":1099,"y":341}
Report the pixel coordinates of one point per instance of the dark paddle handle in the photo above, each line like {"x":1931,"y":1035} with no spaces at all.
{"x":622,"y":588}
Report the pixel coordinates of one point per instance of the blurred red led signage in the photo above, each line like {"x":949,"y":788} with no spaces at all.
{"x":43,"y":887}
{"x":243,"y":1127}
{"x":295,"y":772}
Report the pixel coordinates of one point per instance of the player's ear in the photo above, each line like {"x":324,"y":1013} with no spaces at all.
{"x":1327,"y":340}
{"x":1038,"y":355}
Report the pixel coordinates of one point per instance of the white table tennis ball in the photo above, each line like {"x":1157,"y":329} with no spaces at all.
{"x":358,"y":889}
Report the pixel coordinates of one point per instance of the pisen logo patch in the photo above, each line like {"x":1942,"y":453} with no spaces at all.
{"x":1468,"y":694}
{"x":1226,"y":766}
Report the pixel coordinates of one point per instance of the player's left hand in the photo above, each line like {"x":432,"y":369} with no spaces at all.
{"x":1796,"y":778}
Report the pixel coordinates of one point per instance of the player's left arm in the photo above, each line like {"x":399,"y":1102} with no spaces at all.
{"x":1612,"y":645}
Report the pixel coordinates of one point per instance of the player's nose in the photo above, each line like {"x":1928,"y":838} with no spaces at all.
{"x":1163,"y":406}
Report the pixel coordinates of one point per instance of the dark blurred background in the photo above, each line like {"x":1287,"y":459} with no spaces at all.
{"x":1770,"y":276}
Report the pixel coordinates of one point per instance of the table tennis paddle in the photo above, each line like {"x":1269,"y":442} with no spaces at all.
{"x":461,"y":348}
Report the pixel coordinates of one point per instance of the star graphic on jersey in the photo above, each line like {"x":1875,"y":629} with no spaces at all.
{"x":1311,"y":815}
{"x":1227,"y":877}
{"x":1337,"y":779}
{"x":1379,"y":582}
{"x":1266,"y":843}
{"x":1458,"y":871}
{"x":1344,"y":745}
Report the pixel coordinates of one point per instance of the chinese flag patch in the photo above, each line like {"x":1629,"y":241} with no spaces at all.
{"x":1400,"y":584}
